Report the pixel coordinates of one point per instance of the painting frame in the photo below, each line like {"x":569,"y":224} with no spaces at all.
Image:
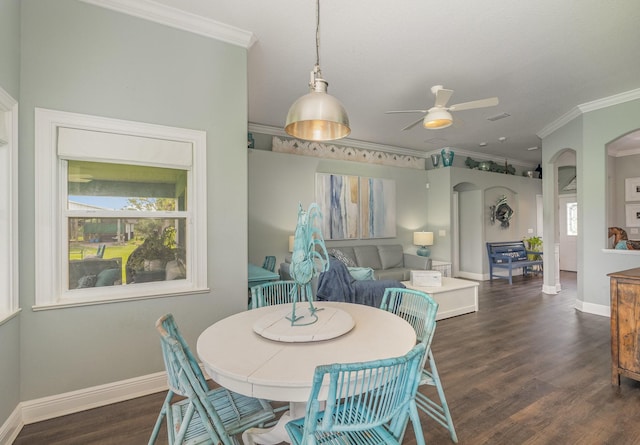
{"x":632,"y":215}
{"x":632,"y":189}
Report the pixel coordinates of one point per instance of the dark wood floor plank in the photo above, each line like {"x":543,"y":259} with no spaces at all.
{"x":527,"y":368}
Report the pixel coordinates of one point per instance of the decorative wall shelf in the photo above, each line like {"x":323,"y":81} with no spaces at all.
{"x":331,"y":151}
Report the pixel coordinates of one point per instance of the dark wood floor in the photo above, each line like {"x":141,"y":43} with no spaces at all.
{"x":526,"y":369}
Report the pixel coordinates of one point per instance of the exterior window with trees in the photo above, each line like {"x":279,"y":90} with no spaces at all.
{"x":128,"y":200}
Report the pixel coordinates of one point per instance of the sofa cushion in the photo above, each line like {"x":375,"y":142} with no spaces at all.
{"x":396,"y":273}
{"x":391,"y":256}
{"x":367,"y":256}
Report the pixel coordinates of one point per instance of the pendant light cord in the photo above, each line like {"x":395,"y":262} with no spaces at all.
{"x":318,"y":34}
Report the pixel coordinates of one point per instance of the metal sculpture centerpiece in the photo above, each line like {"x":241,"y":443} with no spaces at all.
{"x":309,"y":258}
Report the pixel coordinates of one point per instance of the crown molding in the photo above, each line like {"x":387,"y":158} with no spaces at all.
{"x":579,"y":110}
{"x":616,"y":99}
{"x":176,"y":18}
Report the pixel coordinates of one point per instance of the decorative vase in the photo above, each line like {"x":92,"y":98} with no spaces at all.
{"x":435,"y":160}
{"x":447,"y":157}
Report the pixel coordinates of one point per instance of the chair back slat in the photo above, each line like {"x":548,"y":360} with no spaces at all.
{"x":417,"y":308}
{"x":168,"y":328}
{"x":189,"y":382}
{"x":364,"y":395}
{"x":278,"y":292}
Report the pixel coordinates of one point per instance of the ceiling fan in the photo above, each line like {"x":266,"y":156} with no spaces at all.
{"x":439,"y":115}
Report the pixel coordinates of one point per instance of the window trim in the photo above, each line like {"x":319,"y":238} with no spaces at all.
{"x":9,"y":291}
{"x":50,"y":188}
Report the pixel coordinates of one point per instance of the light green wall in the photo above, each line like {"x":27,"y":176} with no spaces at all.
{"x":81,"y":58}
{"x":9,"y":331}
{"x":588,"y":135}
{"x":521,"y":193}
{"x":10,"y":46}
{"x":279,"y":181}
{"x":471,"y":230}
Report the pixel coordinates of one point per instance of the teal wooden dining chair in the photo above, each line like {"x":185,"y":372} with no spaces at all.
{"x":367,"y":403}
{"x":269,"y":263}
{"x":419,"y":309}
{"x":278,"y":292}
{"x":204,"y":415}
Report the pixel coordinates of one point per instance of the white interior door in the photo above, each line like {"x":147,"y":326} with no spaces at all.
{"x":568,"y":213}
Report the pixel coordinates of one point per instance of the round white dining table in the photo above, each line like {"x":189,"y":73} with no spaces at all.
{"x":239,"y":359}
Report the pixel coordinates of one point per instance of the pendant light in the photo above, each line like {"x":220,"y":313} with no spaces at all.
{"x":317,"y":116}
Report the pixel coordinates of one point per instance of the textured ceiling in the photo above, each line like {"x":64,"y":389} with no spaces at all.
{"x":540,"y":58}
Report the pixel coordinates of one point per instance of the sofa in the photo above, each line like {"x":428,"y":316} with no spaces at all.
{"x":388,"y":261}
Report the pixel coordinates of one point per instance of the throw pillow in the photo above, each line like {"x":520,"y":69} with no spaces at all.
{"x":109,"y":277}
{"x":338,"y":255}
{"x":361,"y":273}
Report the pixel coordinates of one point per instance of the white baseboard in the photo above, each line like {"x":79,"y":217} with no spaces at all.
{"x":11,"y":428}
{"x":88,"y":398}
{"x":591,"y":308}
{"x":470,"y":276}
{"x":550,"y":290}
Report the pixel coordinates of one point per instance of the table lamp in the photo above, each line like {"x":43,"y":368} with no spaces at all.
{"x":291,"y":241}
{"x":423,"y":239}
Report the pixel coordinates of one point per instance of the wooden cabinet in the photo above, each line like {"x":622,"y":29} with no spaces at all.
{"x":625,"y":325}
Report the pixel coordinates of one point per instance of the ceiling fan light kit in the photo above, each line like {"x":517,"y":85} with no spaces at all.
{"x":437,"y":118}
{"x":317,"y":116}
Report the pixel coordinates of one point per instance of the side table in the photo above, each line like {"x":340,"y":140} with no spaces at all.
{"x":441,"y":266}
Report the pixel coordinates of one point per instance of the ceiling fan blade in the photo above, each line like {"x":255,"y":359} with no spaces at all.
{"x":413,"y":124}
{"x":406,"y":111}
{"x":442,"y":97}
{"x":489,"y":102}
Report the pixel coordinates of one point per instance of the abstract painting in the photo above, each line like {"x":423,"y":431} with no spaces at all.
{"x":377,"y":208}
{"x":337,"y":196}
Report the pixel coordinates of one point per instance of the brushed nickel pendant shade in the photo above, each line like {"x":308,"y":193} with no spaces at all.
{"x":317,"y":116}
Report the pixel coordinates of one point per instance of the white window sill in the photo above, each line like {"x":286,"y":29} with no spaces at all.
{"x":62,"y":304}
{"x":6,"y":317}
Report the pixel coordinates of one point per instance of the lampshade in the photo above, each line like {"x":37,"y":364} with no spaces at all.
{"x":317,"y":116}
{"x":437,"y":118}
{"x":423,"y":239}
{"x":291,"y":240}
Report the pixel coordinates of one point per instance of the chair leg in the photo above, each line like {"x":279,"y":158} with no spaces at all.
{"x":438,"y":412}
{"x":163,"y":413}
